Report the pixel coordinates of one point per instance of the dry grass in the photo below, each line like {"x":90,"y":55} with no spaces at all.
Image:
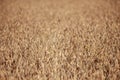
{"x":59,"y":40}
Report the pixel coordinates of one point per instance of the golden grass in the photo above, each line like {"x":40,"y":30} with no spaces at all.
{"x":59,"y":40}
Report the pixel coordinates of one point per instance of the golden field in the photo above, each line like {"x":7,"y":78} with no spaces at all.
{"x":59,"y":39}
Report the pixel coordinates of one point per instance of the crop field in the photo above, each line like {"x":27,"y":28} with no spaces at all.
{"x":59,"y":39}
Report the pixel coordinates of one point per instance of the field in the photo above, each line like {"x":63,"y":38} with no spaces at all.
{"x":59,"y":39}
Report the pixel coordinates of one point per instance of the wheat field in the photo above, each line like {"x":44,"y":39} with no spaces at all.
{"x":59,"y":39}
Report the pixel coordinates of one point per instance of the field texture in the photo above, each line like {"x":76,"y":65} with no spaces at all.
{"x":59,"y":39}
